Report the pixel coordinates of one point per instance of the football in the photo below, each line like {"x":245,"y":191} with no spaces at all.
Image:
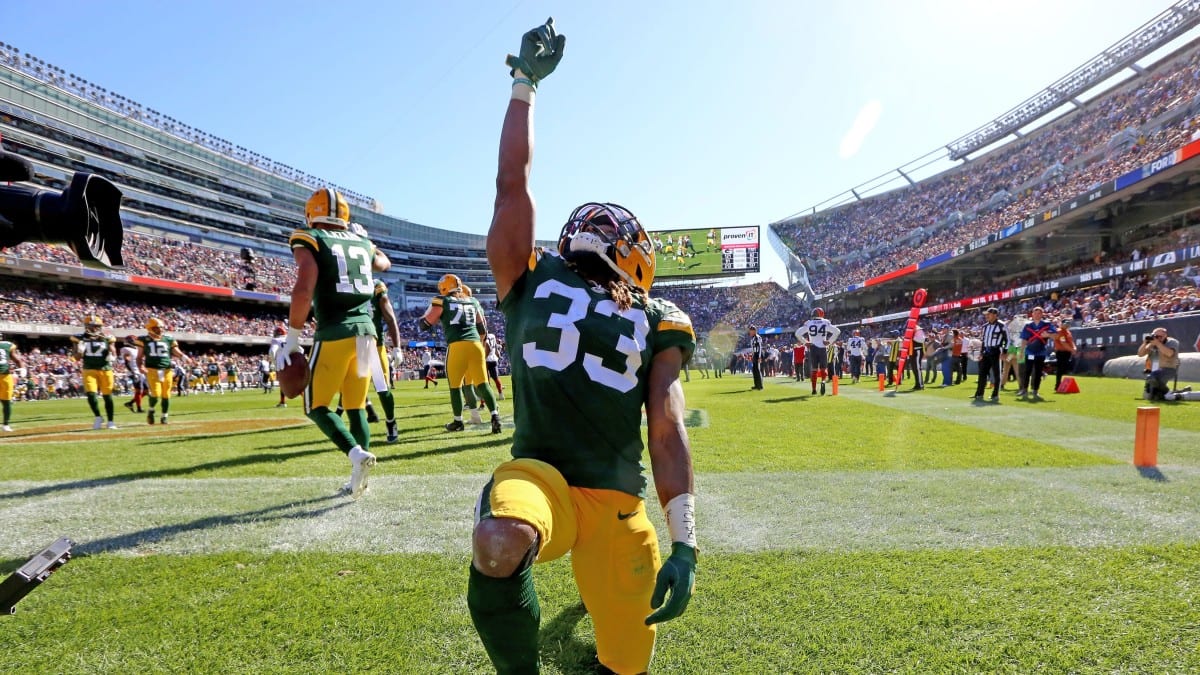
{"x":293,"y":378}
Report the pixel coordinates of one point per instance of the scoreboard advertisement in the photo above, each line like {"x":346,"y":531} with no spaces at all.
{"x":705,"y":252}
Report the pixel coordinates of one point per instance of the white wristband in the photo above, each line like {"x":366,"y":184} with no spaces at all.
{"x":681,"y":519}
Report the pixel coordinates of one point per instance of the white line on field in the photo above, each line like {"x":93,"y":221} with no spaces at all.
{"x":737,"y":512}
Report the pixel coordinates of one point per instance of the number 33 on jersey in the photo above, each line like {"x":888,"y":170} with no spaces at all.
{"x":579,"y":370}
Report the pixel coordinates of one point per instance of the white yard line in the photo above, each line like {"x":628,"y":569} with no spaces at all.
{"x":737,"y":512}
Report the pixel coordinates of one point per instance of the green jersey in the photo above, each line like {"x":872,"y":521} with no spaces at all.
{"x":459,"y":314}
{"x":157,"y":351}
{"x":231,"y":369}
{"x":378,"y":300}
{"x":6,"y":349}
{"x":96,"y":350}
{"x":342,"y":298}
{"x":213,"y":369}
{"x":579,"y":371}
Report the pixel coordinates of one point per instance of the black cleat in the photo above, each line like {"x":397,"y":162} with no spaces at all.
{"x":150,"y":417}
{"x":393,"y":434}
{"x":455,"y":425}
{"x":372,"y":418}
{"x":495,"y":424}
{"x":129,"y":405}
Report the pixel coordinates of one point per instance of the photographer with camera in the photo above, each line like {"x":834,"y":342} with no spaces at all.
{"x":1164,"y":363}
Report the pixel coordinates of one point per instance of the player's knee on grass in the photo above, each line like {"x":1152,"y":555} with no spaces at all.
{"x":503,"y":546}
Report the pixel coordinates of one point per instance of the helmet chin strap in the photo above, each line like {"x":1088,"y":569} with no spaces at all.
{"x":588,"y":242}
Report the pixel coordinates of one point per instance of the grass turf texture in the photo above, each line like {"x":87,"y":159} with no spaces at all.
{"x":910,"y":532}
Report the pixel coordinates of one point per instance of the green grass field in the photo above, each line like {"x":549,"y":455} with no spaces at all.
{"x":863,"y":533}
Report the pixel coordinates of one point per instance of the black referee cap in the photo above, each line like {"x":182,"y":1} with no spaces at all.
{"x":991,"y":310}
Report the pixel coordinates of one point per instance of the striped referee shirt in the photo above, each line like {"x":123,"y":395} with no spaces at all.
{"x":995,"y":336}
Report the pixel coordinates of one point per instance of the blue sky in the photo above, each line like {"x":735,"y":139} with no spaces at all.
{"x":692,"y":114}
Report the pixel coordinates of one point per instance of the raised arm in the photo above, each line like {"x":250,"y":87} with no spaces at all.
{"x":511,"y":236}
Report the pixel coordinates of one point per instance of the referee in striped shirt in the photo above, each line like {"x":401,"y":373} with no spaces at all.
{"x":995,"y":341}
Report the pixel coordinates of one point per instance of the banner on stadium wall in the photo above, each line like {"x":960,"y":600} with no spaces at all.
{"x":1095,"y":345}
{"x":773,"y":330}
{"x":28,"y":265}
{"x":422,"y":343}
{"x":1097,"y":191}
{"x":1168,"y":259}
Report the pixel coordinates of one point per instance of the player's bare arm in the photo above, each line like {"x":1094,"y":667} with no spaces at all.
{"x":303,"y":289}
{"x":379,"y":261}
{"x":670,"y":452}
{"x":390,"y":322}
{"x":431,"y":317}
{"x":511,"y":237}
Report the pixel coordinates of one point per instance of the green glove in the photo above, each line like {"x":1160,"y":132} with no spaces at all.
{"x":541,"y":50}
{"x":678,"y":575}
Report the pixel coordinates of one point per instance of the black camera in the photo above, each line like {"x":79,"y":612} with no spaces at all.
{"x":85,"y":216}
{"x":34,"y":572}
{"x":1148,"y":337}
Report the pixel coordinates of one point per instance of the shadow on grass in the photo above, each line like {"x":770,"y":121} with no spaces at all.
{"x":561,"y":647}
{"x":789,"y":399}
{"x":492,"y":442}
{"x":1152,"y":473}
{"x":153,"y":535}
{"x":221,"y":434}
{"x":92,"y":483}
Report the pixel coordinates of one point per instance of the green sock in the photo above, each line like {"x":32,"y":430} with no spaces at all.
{"x":7,"y":405}
{"x":166,"y":405}
{"x":108,"y":406}
{"x":485,"y":392}
{"x":153,"y":402}
{"x":93,"y":404}
{"x":359,"y":428}
{"x":468,"y":393}
{"x":389,"y":405}
{"x":506,"y":615}
{"x":331,"y":425}
{"x":456,"y":402}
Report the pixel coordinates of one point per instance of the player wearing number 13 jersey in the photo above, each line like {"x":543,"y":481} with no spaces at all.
{"x":334,"y":279}
{"x":589,"y":350}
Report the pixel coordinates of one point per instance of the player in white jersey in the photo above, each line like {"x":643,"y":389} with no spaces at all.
{"x":127,"y":355}
{"x":820,"y":333}
{"x":857,"y":346}
{"x":276,"y":344}
{"x":491,"y":345}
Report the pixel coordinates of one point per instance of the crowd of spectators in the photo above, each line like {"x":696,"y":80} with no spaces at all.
{"x":185,"y":261}
{"x":1100,"y":142}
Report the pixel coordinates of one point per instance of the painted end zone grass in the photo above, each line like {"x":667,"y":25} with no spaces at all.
{"x":1014,"y":610}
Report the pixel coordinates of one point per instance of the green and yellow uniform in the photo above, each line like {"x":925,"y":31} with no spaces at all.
{"x":579,"y":369}
{"x":212,"y":373}
{"x":160,"y":372}
{"x":231,"y":374}
{"x":96,"y":353}
{"x":464,"y":348}
{"x":378,"y":299}
{"x":6,"y":374}
{"x":342,"y":307}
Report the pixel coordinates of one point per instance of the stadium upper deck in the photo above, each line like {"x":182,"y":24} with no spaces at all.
{"x":182,"y":182}
{"x":875,"y":238}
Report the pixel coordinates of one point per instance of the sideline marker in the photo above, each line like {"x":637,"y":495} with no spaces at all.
{"x":1145,"y":437}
